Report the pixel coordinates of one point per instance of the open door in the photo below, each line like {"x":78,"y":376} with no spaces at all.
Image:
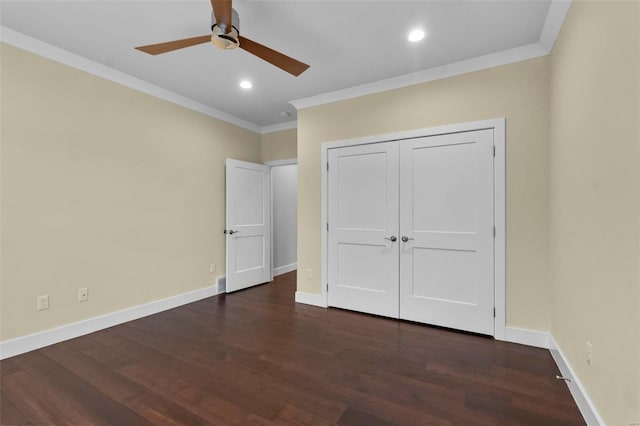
{"x":247,"y":225}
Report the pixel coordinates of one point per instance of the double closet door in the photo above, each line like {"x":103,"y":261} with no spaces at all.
{"x":411,"y":230}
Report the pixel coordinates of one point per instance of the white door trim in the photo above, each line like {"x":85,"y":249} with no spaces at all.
{"x":499,"y":176}
{"x":275,"y":163}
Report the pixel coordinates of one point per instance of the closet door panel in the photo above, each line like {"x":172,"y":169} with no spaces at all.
{"x":446,"y":215}
{"x":363,"y":221}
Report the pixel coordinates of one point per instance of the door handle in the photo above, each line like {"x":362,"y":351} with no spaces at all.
{"x":392,"y":238}
{"x":405,"y":238}
{"x":230,"y":232}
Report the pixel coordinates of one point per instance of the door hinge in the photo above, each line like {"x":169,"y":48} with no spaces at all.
{"x":327,"y":166}
{"x":494,"y":150}
{"x":327,"y":226}
{"x":494,"y":232}
{"x":327,"y":287}
{"x":494,"y":312}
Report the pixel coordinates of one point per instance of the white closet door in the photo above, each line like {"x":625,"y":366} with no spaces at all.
{"x":446,"y":213}
{"x":363,"y":219}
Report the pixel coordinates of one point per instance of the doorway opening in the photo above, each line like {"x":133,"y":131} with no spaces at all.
{"x":284,"y":216}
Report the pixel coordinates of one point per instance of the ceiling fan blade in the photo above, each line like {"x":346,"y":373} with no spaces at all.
{"x":222,"y":10}
{"x":280,"y":60}
{"x":156,"y":49}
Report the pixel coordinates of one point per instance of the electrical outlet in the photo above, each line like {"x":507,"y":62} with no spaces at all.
{"x":309,"y":273}
{"x":212,"y":268}
{"x":42,"y":302}
{"x":83,"y":294}
{"x":589,"y":353}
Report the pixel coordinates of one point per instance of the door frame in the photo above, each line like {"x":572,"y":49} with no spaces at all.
{"x":272,"y":164}
{"x":499,"y":200}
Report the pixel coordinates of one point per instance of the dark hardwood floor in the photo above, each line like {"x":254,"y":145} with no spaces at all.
{"x":256,"y":357}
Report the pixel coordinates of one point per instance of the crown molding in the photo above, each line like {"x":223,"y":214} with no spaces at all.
{"x":279,"y":127}
{"x":550,"y":30}
{"x":46,"y":50}
{"x":504,"y":57}
{"x":555,"y":18}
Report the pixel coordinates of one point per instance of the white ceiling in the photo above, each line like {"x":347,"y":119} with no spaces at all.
{"x":347,"y":43}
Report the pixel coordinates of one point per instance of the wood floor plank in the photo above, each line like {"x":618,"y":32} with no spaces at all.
{"x":42,"y":404}
{"x":498,"y":402}
{"x":8,"y":366}
{"x":255,"y":420}
{"x":387,"y":410}
{"x":355,"y":417}
{"x":10,"y":414}
{"x":108,"y":381}
{"x":160,"y":410}
{"x":254,"y":357}
{"x":291,"y":415}
{"x":190,"y":397}
{"x":427,"y":399}
{"x":297,"y":390}
{"x":555,"y":410}
{"x":499,"y":382}
{"x":104,"y":354}
{"x":78,"y":394}
{"x":204,"y":388}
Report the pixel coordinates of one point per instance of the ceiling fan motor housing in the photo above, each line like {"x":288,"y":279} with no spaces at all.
{"x":230,"y":39}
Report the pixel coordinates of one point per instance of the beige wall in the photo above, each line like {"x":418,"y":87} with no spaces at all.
{"x":280,"y":145}
{"x":107,"y":188}
{"x":595,"y":201}
{"x":518,"y":92}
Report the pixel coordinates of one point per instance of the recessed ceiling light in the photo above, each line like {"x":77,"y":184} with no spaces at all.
{"x":246,"y":84}
{"x":416,"y":35}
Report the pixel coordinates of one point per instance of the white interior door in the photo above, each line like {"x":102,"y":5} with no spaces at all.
{"x":363,"y":221}
{"x":446,"y":215}
{"x":247,"y":225}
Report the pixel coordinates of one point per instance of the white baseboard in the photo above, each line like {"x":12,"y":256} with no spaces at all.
{"x":543,"y":339}
{"x":310,"y":299}
{"x":580,"y":396}
{"x":41,"y":339}
{"x":523,"y":336}
{"x":284,"y":269}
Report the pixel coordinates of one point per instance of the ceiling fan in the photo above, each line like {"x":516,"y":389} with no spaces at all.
{"x":225,"y":28}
